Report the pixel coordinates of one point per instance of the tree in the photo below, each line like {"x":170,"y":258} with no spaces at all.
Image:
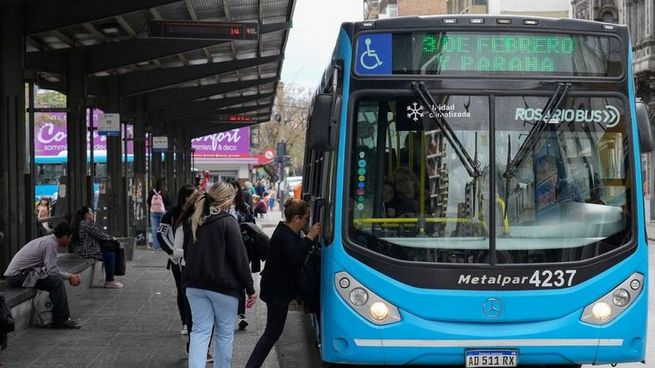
{"x":292,"y":106}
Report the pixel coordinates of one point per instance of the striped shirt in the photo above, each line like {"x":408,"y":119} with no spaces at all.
{"x":88,"y":245}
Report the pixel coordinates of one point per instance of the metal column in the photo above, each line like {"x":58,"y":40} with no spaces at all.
{"x":156,"y":169}
{"x":117,"y":197}
{"x":76,"y":190}
{"x":140,"y":190}
{"x":180,"y":179}
{"x":13,"y":135}
{"x":169,"y":164}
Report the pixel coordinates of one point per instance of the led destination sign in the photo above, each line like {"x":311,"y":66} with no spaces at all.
{"x":489,"y":53}
{"x":496,"y":53}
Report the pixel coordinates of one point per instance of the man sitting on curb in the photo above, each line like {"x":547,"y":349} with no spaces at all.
{"x":35,"y":265}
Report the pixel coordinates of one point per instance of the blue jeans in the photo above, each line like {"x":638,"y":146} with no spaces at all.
{"x":208,"y":309}
{"x":155,"y":220}
{"x":109,"y":258}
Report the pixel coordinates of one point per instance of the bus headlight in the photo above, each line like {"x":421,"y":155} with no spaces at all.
{"x":358,"y":297}
{"x":621,"y":297}
{"x":612,"y":304}
{"x":365,"y":302}
{"x":379,"y":311}
{"x":601,"y":311}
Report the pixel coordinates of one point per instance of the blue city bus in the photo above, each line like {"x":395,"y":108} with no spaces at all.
{"x":50,"y":168}
{"x":479,"y":183}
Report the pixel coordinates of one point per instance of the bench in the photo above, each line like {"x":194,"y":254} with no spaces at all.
{"x":19,"y":300}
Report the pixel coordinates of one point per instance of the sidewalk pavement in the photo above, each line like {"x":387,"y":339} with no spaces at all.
{"x":650,"y":230}
{"x":136,"y":326}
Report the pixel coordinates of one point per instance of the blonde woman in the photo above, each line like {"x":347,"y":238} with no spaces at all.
{"x":216,"y":272}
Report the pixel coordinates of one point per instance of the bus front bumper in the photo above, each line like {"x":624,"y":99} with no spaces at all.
{"x":348,"y":338}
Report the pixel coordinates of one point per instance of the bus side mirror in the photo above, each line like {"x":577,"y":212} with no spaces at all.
{"x":323,"y":122}
{"x":643,"y":127}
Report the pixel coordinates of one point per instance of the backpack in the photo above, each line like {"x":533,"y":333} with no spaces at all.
{"x":309,"y":282}
{"x":157,"y":203}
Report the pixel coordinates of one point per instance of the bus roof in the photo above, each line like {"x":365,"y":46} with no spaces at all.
{"x":485,"y":21}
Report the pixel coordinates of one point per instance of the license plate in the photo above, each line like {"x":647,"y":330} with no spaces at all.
{"x":491,"y":358}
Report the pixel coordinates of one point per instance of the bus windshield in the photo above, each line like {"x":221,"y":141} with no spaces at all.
{"x":412,"y":198}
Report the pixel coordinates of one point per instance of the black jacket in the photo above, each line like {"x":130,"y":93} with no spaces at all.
{"x":286,"y":253}
{"x":166,"y":232}
{"x":217,"y":261}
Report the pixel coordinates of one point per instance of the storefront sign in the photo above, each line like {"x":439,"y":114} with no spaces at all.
{"x":233,"y":143}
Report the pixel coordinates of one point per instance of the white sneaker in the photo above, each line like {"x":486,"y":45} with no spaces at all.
{"x":184,"y":330}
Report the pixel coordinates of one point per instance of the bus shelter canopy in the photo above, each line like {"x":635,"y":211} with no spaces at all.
{"x":196,"y":85}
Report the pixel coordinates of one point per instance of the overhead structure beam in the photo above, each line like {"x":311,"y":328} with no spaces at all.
{"x":142,"y":82}
{"x":113,"y":55}
{"x":46,"y":15}
{"x":198,"y":108}
{"x":172,"y":96}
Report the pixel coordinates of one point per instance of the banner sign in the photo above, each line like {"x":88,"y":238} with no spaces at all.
{"x":50,"y":135}
{"x":110,"y":125}
{"x":159,"y":144}
{"x":50,"y":139}
{"x":233,"y":143}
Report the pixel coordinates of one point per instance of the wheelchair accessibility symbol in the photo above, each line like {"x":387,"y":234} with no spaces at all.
{"x":369,"y":58}
{"x":374,"y":54}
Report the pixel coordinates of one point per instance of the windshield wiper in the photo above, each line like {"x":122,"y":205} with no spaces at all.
{"x":532,"y":139}
{"x":537,"y":129}
{"x":472,"y":166}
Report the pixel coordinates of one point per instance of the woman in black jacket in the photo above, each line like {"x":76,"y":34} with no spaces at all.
{"x":215,"y":274}
{"x":243,"y":213}
{"x":166,"y":238}
{"x":279,"y":285}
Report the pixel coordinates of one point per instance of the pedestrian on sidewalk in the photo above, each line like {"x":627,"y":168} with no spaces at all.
{"x":260,"y":207}
{"x":279,"y":284}
{"x":216,"y":272}
{"x":35,"y":265}
{"x":166,"y":236}
{"x":88,"y":237}
{"x":158,"y":201}
{"x":243,"y":213}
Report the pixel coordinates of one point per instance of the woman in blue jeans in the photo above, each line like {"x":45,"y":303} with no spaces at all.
{"x":216,"y":272}
{"x":87,"y":238}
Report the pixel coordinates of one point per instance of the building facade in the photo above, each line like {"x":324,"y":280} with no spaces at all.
{"x":379,"y":9}
{"x":639,"y":16}
{"x":550,"y":8}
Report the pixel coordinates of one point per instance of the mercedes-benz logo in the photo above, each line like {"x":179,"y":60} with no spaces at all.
{"x":492,"y":308}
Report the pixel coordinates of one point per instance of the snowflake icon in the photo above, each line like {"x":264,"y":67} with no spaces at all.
{"x":415,"y":111}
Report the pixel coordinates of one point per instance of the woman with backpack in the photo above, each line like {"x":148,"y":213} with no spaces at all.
{"x":158,"y":201}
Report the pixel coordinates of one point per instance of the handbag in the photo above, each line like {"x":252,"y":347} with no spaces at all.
{"x":119,"y":269}
{"x":110,"y":245}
